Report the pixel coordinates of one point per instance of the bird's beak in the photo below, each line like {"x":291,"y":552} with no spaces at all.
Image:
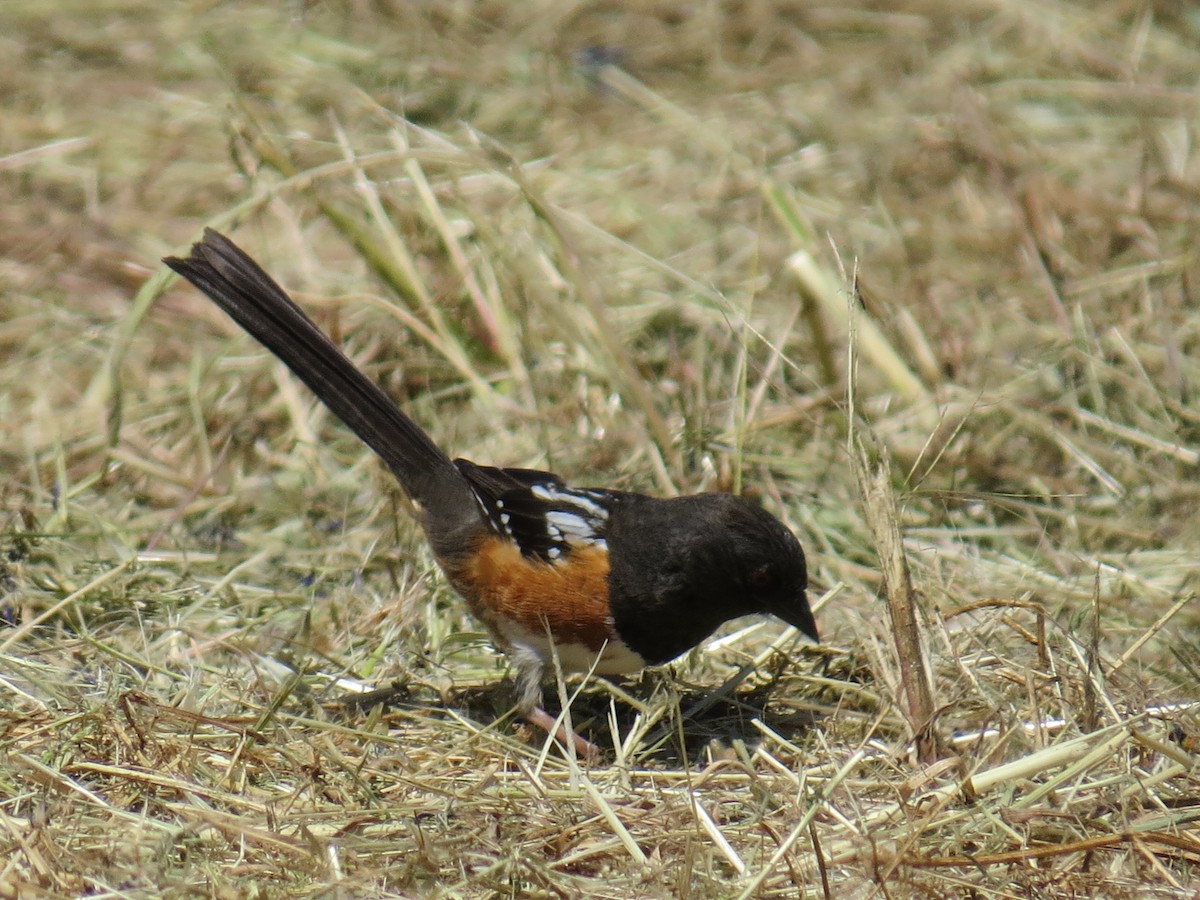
{"x":800,"y":615}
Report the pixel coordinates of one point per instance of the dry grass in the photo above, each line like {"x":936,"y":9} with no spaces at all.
{"x":633,"y":275}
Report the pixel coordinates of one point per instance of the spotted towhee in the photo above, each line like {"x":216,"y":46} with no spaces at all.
{"x":599,"y":577}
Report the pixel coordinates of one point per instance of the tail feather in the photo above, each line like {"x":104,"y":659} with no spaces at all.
{"x":238,"y":285}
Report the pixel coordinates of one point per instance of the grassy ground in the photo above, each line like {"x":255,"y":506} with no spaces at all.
{"x":615,"y":243}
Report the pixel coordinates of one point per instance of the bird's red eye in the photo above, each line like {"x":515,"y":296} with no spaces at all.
{"x":762,"y":578}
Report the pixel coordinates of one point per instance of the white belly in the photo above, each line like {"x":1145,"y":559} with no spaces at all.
{"x":614,"y":659}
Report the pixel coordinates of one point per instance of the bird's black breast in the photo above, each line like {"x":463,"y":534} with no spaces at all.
{"x":667,"y":590}
{"x":682,"y":567}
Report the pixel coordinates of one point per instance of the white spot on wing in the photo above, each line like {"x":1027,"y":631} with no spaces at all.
{"x":583,"y":500}
{"x":570,"y":524}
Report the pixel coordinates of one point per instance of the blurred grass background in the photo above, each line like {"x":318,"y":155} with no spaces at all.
{"x":621,"y":241}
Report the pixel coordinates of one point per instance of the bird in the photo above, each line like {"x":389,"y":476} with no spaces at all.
{"x":608,"y":581}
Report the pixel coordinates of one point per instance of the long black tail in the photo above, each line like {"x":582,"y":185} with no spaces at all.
{"x":238,"y":285}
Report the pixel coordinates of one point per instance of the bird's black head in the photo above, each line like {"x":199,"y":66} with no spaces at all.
{"x":767,"y":564}
{"x":682,"y":567}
